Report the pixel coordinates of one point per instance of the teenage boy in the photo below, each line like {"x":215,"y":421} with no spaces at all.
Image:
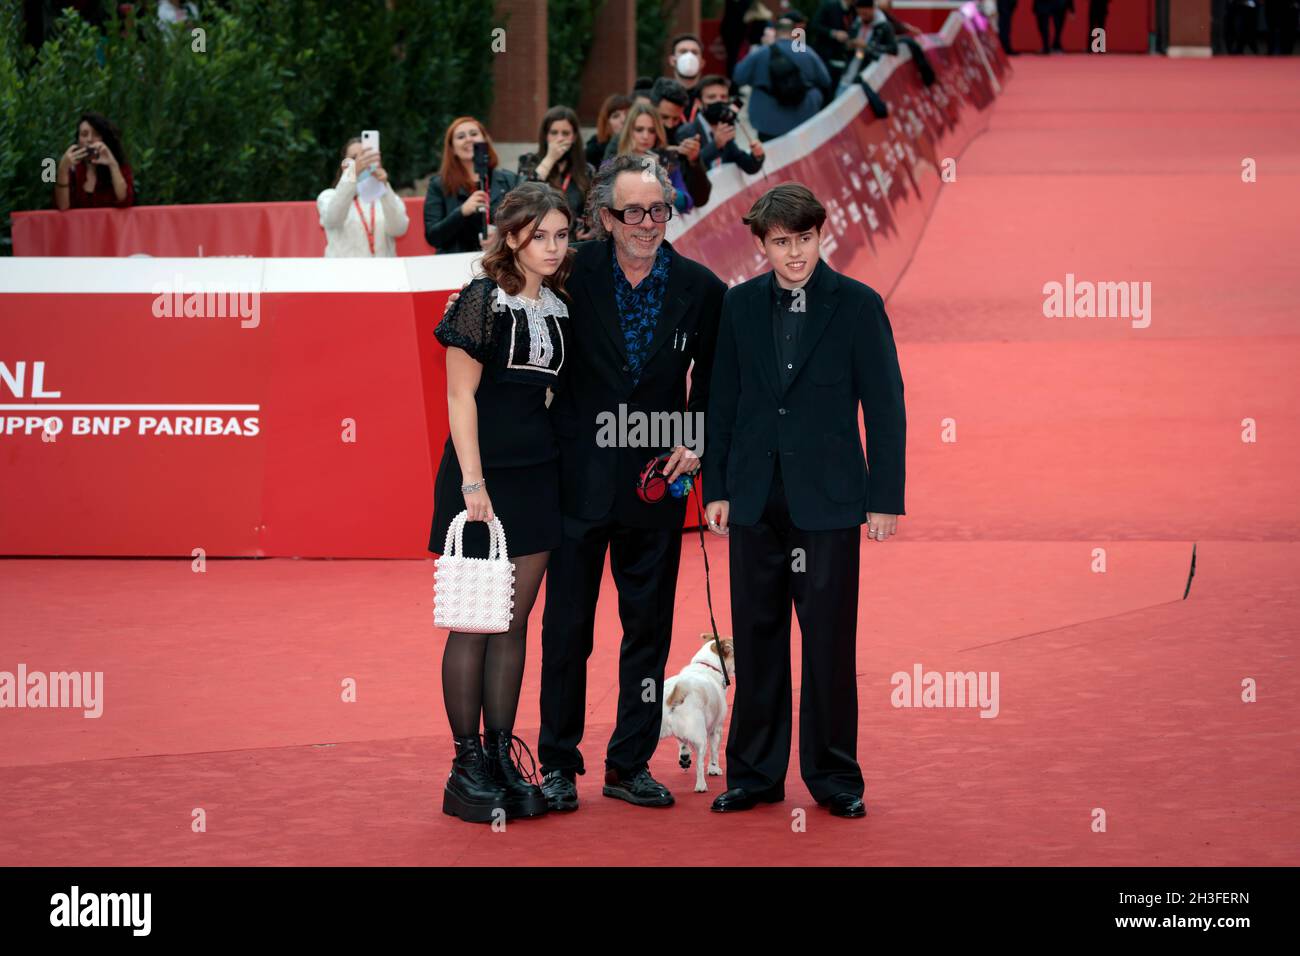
{"x":799,"y":348}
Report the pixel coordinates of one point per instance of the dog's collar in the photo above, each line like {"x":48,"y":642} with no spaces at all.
{"x":707,"y":664}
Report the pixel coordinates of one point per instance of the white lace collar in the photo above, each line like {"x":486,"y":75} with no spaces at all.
{"x":548,"y":303}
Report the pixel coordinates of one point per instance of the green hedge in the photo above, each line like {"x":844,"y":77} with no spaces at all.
{"x":261,"y":112}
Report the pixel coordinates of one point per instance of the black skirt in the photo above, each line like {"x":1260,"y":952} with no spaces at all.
{"x":525,"y":498}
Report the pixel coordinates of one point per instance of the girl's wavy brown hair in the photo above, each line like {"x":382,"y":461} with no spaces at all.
{"x":520,"y":213}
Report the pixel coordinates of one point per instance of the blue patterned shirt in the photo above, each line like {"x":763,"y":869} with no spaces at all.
{"x":638,"y":309}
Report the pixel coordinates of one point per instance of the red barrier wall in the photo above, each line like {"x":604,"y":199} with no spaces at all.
{"x":260,"y":229}
{"x":283,"y":479}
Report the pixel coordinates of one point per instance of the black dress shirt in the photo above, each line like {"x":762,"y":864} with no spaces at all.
{"x":787,"y":319}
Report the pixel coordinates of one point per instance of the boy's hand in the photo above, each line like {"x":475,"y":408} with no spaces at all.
{"x":880,"y":526}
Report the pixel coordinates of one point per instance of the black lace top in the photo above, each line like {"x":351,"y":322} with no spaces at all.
{"x":520,"y":344}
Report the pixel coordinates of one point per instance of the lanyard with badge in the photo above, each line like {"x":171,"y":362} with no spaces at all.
{"x":370,"y":229}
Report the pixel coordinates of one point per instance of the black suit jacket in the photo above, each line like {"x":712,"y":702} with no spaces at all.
{"x":594,"y":380}
{"x":845,"y":357}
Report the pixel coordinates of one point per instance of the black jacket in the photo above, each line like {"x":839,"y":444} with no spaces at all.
{"x":445,"y":228}
{"x":831,"y":15}
{"x":595,"y":478}
{"x":845,"y":356}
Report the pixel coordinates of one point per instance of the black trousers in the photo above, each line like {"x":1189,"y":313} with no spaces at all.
{"x":822,"y":580}
{"x":644,"y":562}
{"x":1045,"y":22}
{"x":1005,"y":9}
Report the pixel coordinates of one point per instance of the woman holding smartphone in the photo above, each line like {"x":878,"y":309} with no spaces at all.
{"x":93,"y":172}
{"x":356,"y":226}
{"x":505,"y":338}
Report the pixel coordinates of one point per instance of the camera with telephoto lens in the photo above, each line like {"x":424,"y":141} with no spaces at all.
{"x":720,"y":112}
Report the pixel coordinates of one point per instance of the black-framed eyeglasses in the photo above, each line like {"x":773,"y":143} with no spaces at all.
{"x":659,"y":212}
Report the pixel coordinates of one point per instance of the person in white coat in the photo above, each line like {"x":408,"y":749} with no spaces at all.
{"x":358,"y":223}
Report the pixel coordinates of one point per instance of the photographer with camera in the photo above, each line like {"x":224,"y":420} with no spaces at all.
{"x":93,"y":172}
{"x":463,"y":195}
{"x":715,"y":125}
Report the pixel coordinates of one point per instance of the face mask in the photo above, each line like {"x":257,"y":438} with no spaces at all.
{"x":688,"y":64}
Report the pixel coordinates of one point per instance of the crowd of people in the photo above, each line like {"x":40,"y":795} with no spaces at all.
{"x":688,"y":121}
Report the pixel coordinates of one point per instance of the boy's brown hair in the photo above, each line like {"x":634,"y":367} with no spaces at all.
{"x":791,"y":206}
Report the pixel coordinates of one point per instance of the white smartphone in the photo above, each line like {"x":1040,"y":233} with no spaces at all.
{"x":369,"y":140}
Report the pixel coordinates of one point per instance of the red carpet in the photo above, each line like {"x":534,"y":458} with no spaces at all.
{"x":222,"y":690}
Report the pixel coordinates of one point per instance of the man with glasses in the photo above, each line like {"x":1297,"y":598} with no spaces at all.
{"x":641,"y":314}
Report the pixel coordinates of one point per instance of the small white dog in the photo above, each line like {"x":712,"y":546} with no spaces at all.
{"x":695,"y":707}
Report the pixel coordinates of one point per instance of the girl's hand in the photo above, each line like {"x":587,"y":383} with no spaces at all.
{"x":72,"y":154}
{"x":479,"y":505}
{"x":556,"y":149}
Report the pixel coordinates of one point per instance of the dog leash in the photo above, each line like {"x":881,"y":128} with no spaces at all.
{"x":708,"y":595}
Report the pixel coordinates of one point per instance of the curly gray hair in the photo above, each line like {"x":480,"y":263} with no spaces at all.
{"x":601,"y":194}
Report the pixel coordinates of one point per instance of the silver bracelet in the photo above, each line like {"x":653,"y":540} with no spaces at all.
{"x":472,"y":486}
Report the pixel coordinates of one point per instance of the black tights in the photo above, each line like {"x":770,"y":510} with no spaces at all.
{"x":482,"y":673}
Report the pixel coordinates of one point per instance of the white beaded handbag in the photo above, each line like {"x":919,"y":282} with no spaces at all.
{"x":473,"y":595}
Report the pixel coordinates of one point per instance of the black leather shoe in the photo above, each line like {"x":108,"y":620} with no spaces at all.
{"x":640,"y":789}
{"x":845,"y":805}
{"x":561,"y":791}
{"x":738,"y":798}
{"x":470,"y":792}
{"x":505,"y":753}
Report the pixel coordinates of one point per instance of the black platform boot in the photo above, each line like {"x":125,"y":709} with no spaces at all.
{"x":471,"y":793}
{"x":523,"y":797}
